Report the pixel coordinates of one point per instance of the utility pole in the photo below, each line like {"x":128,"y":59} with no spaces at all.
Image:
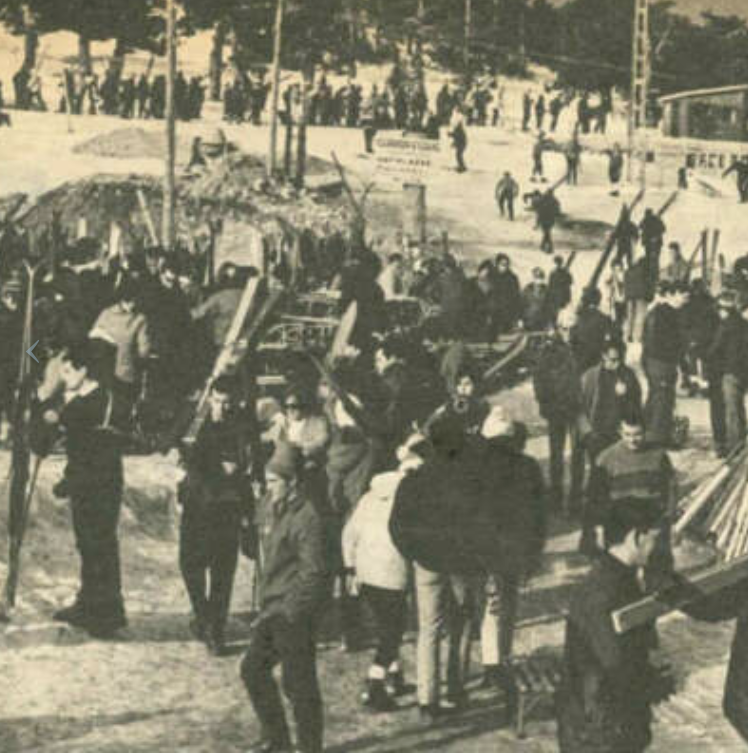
{"x":167,"y":236}
{"x":277,"y":42}
{"x":640,"y":74}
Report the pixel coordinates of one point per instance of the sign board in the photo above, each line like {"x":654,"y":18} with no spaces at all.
{"x":406,"y":159}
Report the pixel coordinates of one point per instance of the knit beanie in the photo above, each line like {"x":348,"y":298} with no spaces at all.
{"x":285,"y":462}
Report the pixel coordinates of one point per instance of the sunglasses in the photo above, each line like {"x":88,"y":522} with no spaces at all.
{"x":293,"y":406}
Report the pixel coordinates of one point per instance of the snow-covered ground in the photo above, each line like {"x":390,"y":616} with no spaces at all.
{"x":156,"y":690}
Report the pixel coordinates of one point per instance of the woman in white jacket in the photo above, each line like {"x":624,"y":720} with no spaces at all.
{"x":381,"y":573}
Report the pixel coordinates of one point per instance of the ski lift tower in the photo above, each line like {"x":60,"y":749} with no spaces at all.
{"x":640,"y":74}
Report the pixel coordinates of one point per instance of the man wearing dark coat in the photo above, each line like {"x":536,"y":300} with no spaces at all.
{"x":662,"y":351}
{"x":548,"y":211}
{"x":727,"y":361}
{"x":558,"y":391}
{"x":293,"y":588}
{"x":216,"y":501}
{"x":559,"y":287}
{"x":610,"y":392}
{"x":603,"y":704}
{"x":508,"y":295}
{"x":593,"y":330}
{"x":652,"y":232}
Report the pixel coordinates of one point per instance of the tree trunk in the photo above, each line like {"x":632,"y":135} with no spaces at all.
{"x":84,"y":54}
{"x":496,"y":23}
{"x":468,"y":34}
{"x":306,"y":88}
{"x":30,"y":48}
{"x":216,"y":61}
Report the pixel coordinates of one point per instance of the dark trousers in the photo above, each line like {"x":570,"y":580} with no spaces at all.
{"x":389,"y":609}
{"x":369,"y":133}
{"x":506,"y":204}
{"x":558,"y":430}
{"x":460,"y":157}
{"x":292,"y":645}
{"x":208,"y":555}
{"x":546,"y":242}
{"x":572,"y":172}
{"x":727,"y":409}
{"x":660,"y":407}
{"x":95,"y":520}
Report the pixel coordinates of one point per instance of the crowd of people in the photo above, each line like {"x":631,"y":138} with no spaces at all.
{"x":112,"y":94}
{"x":391,"y":461}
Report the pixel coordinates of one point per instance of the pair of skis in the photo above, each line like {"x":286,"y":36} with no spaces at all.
{"x":23,"y":476}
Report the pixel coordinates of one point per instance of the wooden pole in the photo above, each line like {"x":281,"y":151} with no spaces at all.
{"x":171,"y":131}
{"x":277,"y":42}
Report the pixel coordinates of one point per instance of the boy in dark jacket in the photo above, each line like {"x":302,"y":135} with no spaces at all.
{"x":216,"y":497}
{"x":293,"y":587}
{"x":604,"y":701}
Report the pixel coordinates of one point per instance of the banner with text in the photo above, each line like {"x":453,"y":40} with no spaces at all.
{"x":406,"y":159}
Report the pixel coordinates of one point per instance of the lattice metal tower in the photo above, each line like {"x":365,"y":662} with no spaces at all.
{"x":640,"y":74}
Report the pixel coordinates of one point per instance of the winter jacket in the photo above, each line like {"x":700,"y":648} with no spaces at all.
{"x":557,"y":382}
{"x":515,"y":497}
{"x":439,"y":514}
{"x":367,"y":545}
{"x":294,"y":578}
{"x":559,"y":289}
{"x":637,"y":281}
{"x":592,"y":331}
{"x":604,"y":700}
{"x":662,"y":335}
{"x":604,"y":411}
{"x":728,"y":352}
{"x":129,"y":332}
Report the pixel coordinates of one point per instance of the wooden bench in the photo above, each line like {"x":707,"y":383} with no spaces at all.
{"x":534,"y":681}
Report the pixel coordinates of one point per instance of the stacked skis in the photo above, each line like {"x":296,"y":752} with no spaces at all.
{"x":717,"y":509}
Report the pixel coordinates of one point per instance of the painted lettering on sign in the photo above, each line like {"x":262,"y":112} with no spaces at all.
{"x":406,"y":158}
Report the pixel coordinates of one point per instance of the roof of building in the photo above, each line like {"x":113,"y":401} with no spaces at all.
{"x":704,"y":92}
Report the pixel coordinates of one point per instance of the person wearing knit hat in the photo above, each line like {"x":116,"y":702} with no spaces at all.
{"x":293,"y":586}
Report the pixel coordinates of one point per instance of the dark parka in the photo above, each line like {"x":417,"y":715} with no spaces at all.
{"x":604,"y":700}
